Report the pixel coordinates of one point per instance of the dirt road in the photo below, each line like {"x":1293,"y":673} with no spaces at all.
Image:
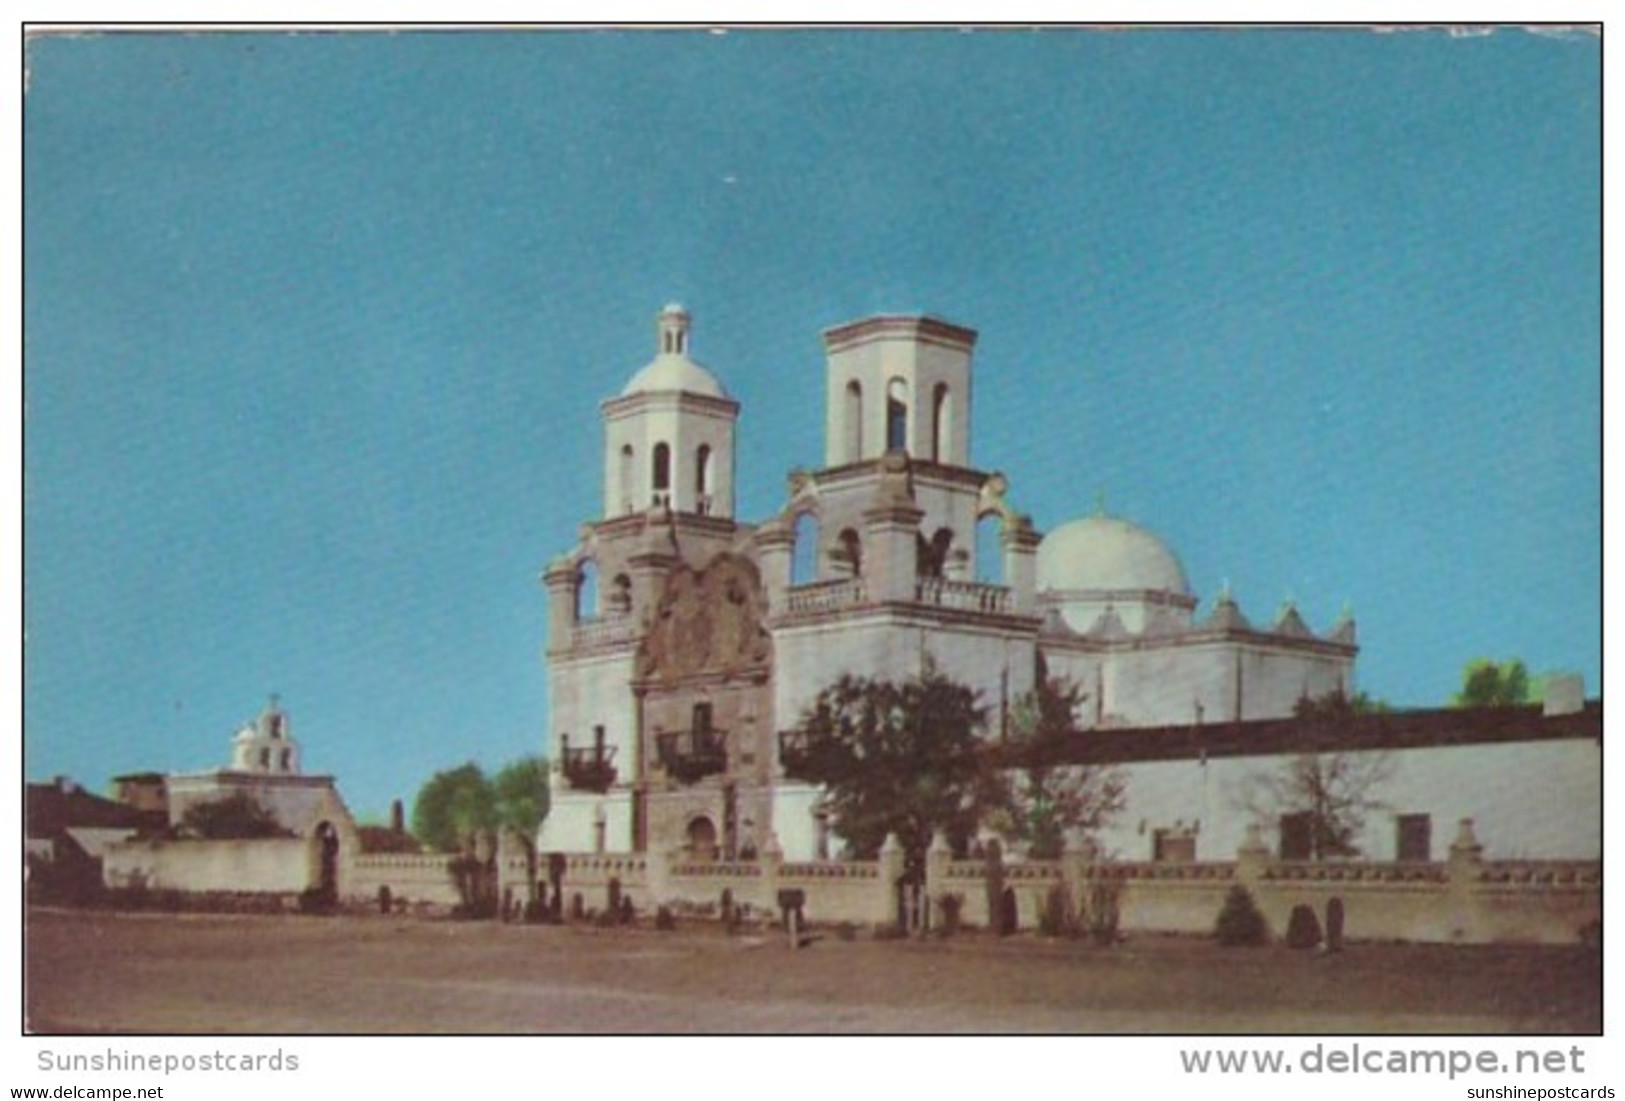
{"x":105,"y":972}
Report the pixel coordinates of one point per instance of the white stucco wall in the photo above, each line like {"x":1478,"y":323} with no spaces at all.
{"x":571,"y":822}
{"x":808,"y":659}
{"x":1536,"y":800}
{"x":300,"y":803}
{"x":595,"y":691}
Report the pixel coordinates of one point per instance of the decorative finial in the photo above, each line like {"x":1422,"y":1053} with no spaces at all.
{"x":1100,"y":501}
{"x":1224,"y":593}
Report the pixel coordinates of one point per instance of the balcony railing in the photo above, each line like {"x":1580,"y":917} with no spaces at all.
{"x":968,"y":596}
{"x":691,"y":755}
{"x":938,"y":592}
{"x":827,"y":596}
{"x":796,"y":748}
{"x":591,"y":768}
{"x":604,"y":630}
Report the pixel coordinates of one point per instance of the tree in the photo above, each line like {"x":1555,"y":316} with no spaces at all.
{"x":1484,"y":683}
{"x":897,"y":758}
{"x":520,"y":795}
{"x":1044,"y":800}
{"x":235,"y":817}
{"x":452,"y":805}
{"x":1327,"y":796}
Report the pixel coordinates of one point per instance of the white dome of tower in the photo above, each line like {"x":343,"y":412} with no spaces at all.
{"x":672,"y":370}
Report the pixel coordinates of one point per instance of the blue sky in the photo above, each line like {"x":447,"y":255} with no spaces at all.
{"x":316,"y":328}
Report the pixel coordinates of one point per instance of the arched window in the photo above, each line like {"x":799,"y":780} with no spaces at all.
{"x":989,"y":549}
{"x":587,"y":591}
{"x":620,"y":595}
{"x":702,"y":480}
{"x":660,"y":473}
{"x":625,"y":479}
{"x":937,"y":553}
{"x":897,"y":415}
{"x":941,"y":419}
{"x":852,"y":552}
{"x":804,"y":558}
{"x":854,"y":422}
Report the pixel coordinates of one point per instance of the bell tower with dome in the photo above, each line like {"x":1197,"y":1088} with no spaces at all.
{"x":669,"y":436}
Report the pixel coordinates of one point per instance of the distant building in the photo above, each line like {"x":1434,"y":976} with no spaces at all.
{"x":68,"y":830}
{"x":265,"y":766}
{"x":315,"y":852}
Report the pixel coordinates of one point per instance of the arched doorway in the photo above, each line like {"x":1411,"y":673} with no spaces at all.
{"x":702,"y":838}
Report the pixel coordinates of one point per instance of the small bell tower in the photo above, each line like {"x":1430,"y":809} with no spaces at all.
{"x":669,"y":436}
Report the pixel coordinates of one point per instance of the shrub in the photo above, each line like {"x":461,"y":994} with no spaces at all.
{"x":1240,"y":921}
{"x":236,"y":817}
{"x":664,"y":922}
{"x":1303,"y":927}
{"x":953,"y":906}
{"x":314,"y":900}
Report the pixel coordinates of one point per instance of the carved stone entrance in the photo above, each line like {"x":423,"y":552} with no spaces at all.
{"x":702,"y":838}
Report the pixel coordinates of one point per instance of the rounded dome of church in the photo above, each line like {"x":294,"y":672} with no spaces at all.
{"x":1103,"y":553}
{"x":674,"y":372}
{"x":671,"y":370}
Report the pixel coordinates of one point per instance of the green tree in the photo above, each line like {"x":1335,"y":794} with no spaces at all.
{"x":452,"y":805}
{"x":1486,"y":683}
{"x":235,"y":817}
{"x":520,"y":794}
{"x":903,"y":758}
{"x":1045,"y":799}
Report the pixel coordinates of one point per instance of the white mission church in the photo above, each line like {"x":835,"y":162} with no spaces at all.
{"x":684,"y":640}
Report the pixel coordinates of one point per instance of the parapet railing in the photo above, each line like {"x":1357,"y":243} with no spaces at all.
{"x":831,"y":869}
{"x":717,"y":869}
{"x":603,"y":630}
{"x":1354,"y":871}
{"x":970,"y":596}
{"x":826,"y":596}
{"x":1541,"y":873}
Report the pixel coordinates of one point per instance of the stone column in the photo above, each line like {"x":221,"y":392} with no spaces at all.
{"x":891,"y":526}
{"x":772,"y":860}
{"x":891,"y":534}
{"x":891,"y":870}
{"x":775,"y":547}
{"x":1465,"y":870}
{"x":1020,"y":543}
{"x":657,"y":876}
{"x":937,"y":859}
{"x":1253,"y":858}
{"x":1074,"y":873}
{"x":560,"y":580}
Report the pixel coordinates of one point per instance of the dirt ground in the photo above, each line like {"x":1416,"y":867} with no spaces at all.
{"x":104,"y":972}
